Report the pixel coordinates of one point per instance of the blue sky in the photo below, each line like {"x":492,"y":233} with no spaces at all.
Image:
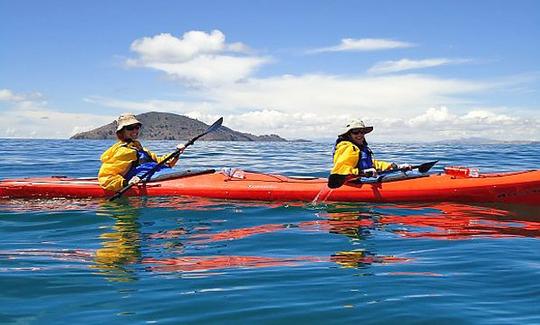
{"x":416,"y":70}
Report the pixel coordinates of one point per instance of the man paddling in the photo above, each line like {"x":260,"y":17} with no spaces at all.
{"x":353,"y":157}
{"x":125,"y":161}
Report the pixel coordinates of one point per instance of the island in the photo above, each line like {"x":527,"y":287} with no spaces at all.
{"x":169,"y":126}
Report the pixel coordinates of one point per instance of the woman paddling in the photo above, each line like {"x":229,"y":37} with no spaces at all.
{"x":126,"y":160}
{"x":353,"y":157}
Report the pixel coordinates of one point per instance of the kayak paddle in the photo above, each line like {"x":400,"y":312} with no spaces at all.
{"x":422,"y":168}
{"x":336,"y":181}
{"x":174,"y":154}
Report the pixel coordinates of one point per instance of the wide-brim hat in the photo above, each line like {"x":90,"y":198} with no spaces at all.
{"x":356,"y":124}
{"x":125,"y":120}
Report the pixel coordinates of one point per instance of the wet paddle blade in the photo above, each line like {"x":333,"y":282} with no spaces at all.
{"x":425,"y":167}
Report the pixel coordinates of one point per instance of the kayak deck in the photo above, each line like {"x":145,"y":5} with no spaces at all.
{"x":512,"y":187}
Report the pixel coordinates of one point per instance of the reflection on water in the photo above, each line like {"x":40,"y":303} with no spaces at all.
{"x":349,"y":259}
{"x":209,"y":263}
{"x":121,"y":243}
{"x":441,"y":221}
{"x":457,"y":221}
{"x":361,"y":258}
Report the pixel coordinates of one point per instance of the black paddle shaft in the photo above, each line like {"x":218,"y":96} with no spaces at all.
{"x":174,"y":154}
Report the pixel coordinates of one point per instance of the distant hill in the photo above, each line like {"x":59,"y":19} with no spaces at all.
{"x":169,"y":126}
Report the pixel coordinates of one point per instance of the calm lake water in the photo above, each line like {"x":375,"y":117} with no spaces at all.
{"x":189,"y":260}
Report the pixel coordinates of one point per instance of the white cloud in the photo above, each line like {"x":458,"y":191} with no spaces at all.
{"x":404,"y":107}
{"x":315,"y":106}
{"x":30,"y":123}
{"x":433,"y":116}
{"x":438,"y":123}
{"x":441,"y":116}
{"x":364,"y":44}
{"x":407,"y":64}
{"x":196,"y":57}
{"x":6,"y":95}
{"x":487,"y":117}
{"x":27,"y":118}
{"x":356,"y":95}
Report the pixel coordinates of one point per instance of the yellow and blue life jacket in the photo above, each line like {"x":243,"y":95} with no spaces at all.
{"x":125,"y":159}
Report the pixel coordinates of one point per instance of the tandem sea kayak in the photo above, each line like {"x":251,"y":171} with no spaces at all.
{"x":521,"y":187}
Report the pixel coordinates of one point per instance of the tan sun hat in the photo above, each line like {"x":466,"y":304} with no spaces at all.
{"x":125,"y":120}
{"x":356,"y":124}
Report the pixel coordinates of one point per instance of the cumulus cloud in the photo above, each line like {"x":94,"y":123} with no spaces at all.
{"x":196,"y":57}
{"x":315,"y":106}
{"x":364,"y":44}
{"x":357,"y":95}
{"x":435,"y":123}
{"x":441,"y":116}
{"x":407,"y":64}
{"x":404,"y":107}
{"x":438,"y":123}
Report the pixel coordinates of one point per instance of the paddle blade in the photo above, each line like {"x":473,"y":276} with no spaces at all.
{"x":425,"y":167}
{"x":215,"y":126}
{"x":211,"y":128}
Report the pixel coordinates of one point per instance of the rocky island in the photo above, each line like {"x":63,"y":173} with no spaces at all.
{"x":169,"y":126}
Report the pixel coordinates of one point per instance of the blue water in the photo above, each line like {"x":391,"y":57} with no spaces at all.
{"x":188,"y":260}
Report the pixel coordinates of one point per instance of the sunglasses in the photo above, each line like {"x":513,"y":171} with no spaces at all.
{"x":355,"y":132}
{"x":132,"y":127}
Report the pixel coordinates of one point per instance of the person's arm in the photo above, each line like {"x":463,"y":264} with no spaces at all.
{"x":381,"y":165}
{"x":159,"y":159}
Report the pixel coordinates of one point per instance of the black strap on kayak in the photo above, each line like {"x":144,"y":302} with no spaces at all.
{"x":175,"y":154}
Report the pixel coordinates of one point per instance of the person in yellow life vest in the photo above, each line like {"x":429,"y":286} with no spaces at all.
{"x":127,"y":160}
{"x":353,"y":157}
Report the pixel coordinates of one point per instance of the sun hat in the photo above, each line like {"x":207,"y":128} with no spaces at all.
{"x":125,"y":120}
{"x":356,"y":124}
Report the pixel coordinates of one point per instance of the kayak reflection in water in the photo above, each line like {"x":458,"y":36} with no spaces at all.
{"x":353,"y":157}
{"x":127,"y":160}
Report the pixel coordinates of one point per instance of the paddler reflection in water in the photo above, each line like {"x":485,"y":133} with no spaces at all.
{"x":121,"y":242}
{"x":126,"y":161}
{"x":353,"y":157}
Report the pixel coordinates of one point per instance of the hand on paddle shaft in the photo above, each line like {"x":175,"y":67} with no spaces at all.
{"x":336,"y":181}
{"x":173,"y":155}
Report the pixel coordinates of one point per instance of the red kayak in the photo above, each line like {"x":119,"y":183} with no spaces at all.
{"x":511,"y":187}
